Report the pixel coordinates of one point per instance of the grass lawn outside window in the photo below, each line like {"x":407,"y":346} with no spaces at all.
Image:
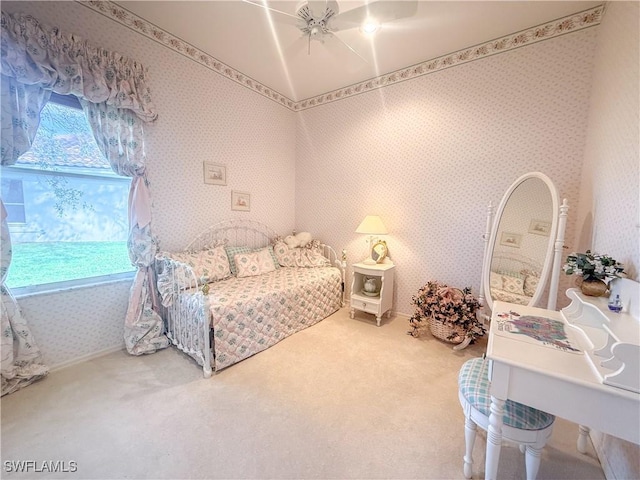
{"x":38,"y":263}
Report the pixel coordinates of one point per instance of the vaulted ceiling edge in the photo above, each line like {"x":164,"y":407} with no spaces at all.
{"x":140,"y":25}
{"x":555,"y":28}
{"x":562,"y":26}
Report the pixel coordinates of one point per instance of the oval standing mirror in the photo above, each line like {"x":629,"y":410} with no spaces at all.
{"x":521,"y":245}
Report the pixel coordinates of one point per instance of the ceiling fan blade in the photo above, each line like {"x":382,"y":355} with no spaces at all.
{"x":317,"y":8}
{"x":348,"y":46}
{"x":382,"y":12}
{"x":285,"y":18}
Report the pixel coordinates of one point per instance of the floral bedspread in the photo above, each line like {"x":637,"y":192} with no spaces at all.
{"x":251,"y":314}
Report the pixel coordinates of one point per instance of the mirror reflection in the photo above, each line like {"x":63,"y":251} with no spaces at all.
{"x":521,"y":243}
{"x":379,"y":251}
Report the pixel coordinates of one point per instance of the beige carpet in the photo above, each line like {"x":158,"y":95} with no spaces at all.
{"x":342,"y":399}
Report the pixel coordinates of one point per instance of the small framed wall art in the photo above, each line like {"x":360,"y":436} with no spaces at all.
{"x":540,"y":227}
{"x":240,"y":201}
{"x":510,"y":239}
{"x":215,"y":174}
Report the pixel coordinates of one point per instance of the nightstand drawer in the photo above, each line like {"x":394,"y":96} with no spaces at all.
{"x":365,"y":305}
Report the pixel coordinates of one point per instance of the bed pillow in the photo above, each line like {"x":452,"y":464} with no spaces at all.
{"x":208,"y":265}
{"x":495,"y":280}
{"x":254,"y":263}
{"x":233,"y":251}
{"x":513,"y":284}
{"x":530,"y":285}
{"x":300,"y":257}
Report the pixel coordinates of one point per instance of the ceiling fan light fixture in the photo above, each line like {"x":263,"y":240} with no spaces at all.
{"x":369,"y":27}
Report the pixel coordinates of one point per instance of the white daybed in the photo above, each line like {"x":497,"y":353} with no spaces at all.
{"x":220,"y":315}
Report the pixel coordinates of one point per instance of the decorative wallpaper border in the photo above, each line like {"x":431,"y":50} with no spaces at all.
{"x":571,"y":23}
{"x":561,"y":26}
{"x":138,"y":24}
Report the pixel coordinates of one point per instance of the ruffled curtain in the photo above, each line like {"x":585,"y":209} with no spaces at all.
{"x":120,"y":136}
{"x":21,"y":359}
{"x":21,"y":107}
{"x":36,"y":60}
{"x":35,"y":54}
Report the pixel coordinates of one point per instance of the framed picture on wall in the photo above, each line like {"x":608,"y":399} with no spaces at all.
{"x":510,"y":239}
{"x":215,"y":174}
{"x":240,"y":201}
{"x":540,"y":227}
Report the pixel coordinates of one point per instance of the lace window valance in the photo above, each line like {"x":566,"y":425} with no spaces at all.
{"x":36,"y":54}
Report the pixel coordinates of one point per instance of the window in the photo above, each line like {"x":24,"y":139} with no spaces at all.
{"x":13,"y":199}
{"x":67,"y":209}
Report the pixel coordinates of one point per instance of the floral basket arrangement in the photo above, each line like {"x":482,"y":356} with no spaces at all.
{"x":449,"y":312}
{"x":594,"y":271}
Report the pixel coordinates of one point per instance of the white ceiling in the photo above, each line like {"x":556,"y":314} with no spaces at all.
{"x":275,"y":54}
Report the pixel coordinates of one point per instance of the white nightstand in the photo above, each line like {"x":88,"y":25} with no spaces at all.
{"x":383,"y":274}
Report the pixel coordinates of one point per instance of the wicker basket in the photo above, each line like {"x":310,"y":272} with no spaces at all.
{"x":444,"y":331}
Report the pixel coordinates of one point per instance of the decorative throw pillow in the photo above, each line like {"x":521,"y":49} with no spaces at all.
{"x":280,"y":249}
{"x":207,"y":265}
{"x":495,"y":280}
{"x":254,"y":263}
{"x":299,"y":257}
{"x":526,"y":271}
{"x":513,"y":284}
{"x":232,"y":251}
{"x":530,"y":285}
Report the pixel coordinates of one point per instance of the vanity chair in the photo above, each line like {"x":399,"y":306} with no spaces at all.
{"x":523,"y":241}
{"x":526,"y":426}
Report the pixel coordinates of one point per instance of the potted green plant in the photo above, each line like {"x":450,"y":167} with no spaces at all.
{"x":594,"y":271}
{"x":449,"y":312}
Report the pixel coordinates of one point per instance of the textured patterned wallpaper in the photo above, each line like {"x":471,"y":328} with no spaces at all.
{"x":77,"y":323}
{"x":611,"y":176}
{"x":427,"y":155}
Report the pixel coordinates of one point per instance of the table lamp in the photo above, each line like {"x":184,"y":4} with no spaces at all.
{"x":371,"y":225}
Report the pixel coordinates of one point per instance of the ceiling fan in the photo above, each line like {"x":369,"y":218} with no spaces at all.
{"x":321,"y":19}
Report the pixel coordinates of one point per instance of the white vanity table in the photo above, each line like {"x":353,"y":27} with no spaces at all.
{"x":591,"y":375}
{"x":375,"y":303}
{"x":597,"y":387}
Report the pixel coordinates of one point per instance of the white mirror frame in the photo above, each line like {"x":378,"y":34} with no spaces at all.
{"x":556,"y":242}
{"x":379,"y":251}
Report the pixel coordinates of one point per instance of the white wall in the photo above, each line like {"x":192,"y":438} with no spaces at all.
{"x":428,"y":154}
{"x":611,"y":170}
{"x":609,"y":216}
{"x":202,"y":116}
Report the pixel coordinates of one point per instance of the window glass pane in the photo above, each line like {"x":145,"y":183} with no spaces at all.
{"x":12,"y":191}
{"x":15,"y":213}
{"x":74,"y":217}
{"x":64,"y":141}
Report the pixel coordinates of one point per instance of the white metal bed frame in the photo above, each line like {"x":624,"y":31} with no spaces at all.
{"x":504,"y":261}
{"x":192,"y":335}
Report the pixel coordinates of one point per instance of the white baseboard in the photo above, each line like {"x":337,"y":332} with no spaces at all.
{"x":86,"y":358}
{"x":347,"y":304}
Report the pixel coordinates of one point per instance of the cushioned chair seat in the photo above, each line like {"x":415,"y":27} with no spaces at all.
{"x":473,"y":382}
